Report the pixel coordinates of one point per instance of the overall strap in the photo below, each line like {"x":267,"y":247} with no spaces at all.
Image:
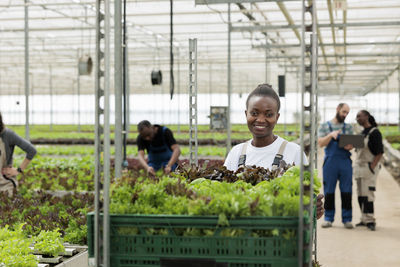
{"x":344,"y":128}
{"x":330,"y":126}
{"x":279,"y":155}
{"x":163,"y":136}
{"x":370,"y":131}
{"x":242,"y":158}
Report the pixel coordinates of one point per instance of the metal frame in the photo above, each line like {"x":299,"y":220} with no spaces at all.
{"x":228,"y":129}
{"x":322,"y":25}
{"x":26,"y":38}
{"x":208,"y":2}
{"x":309,"y":87}
{"x":193,"y":102}
{"x":118,"y":84}
{"x":78,"y":90}
{"x":102,"y":135}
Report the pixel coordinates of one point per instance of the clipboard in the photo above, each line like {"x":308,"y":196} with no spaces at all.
{"x":357,"y":140}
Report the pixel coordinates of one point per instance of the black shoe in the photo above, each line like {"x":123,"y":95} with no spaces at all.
{"x":371,"y":226}
{"x":360,"y":224}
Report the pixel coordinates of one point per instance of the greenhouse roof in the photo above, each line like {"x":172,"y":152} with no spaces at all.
{"x":359,"y":44}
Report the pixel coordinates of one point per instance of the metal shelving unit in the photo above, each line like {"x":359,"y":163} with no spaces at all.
{"x":102,"y":135}
{"x":309,"y":57}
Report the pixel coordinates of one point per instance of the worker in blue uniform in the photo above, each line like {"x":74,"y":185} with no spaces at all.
{"x":337,"y":166}
{"x":163,"y":151}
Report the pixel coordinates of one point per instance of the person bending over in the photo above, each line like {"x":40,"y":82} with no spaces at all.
{"x":163,"y":151}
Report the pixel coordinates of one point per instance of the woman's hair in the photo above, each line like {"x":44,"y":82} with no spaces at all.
{"x":264,"y":90}
{"x":1,"y":123}
{"x":371,"y":118}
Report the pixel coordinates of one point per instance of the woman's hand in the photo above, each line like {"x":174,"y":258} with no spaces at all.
{"x":9,"y":171}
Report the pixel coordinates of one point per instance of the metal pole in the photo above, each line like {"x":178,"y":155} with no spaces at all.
{"x":193,"y":102}
{"x":301,"y":208}
{"x":297,"y":97}
{"x":78,"y":84}
{"x":179,"y":91}
{"x":313,"y":131}
{"x":118,"y":87}
{"x":387,"y":105}
{"x":26,"y":31}
{"x":106,"y":191}
{"x":32,"y":93}
{"x":266,"y":59}
{"x":127,"y":96}
{"x":210,"y":85}
{"x":285,"y":110}
{"x":51,"y":96}
{"x":99,"y":112}
{"x":125,"y":130}
{"x":228,"y":129}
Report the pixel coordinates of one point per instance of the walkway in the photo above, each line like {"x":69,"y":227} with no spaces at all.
{"x":360,"y":247}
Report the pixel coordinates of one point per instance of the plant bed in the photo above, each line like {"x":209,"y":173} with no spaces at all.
{"x":133,"y":163}
{"x":38,"y":211}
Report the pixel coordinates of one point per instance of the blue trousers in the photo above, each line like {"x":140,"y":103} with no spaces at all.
{"x":158,"y":165}
{"x":337,"y":168}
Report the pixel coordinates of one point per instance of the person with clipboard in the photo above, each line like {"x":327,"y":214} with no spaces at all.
{"x":366,"y":167}
{"x":337,"y":166}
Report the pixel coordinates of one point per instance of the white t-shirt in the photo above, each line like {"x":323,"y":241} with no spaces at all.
{"x":264,"y":156}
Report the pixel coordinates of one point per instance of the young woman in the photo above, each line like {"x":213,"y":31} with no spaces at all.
{"x":8,"y":141}
{"x":366,"y":167}
{"x":265,"y":149}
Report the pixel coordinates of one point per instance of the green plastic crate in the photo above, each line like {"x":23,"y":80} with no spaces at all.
{"x":134,"y":244}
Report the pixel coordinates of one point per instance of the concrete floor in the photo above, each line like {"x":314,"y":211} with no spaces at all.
{"x":360,"y":247}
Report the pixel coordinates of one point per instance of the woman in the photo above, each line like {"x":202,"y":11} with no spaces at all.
{"x":265,"y":149}
{"x":8,"y":141}
{"x":366,"y":167}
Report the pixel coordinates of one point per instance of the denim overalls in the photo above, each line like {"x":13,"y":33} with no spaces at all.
{"x":337,"y":166}
{"x":159,"y":156}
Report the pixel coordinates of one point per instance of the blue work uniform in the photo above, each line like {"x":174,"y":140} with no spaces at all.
{"x":337,"y":166}
{"x":159,"y":156}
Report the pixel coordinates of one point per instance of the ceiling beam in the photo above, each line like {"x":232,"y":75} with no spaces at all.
{"x":322,"y":25}
{"x":365,"y":92}
{"x":212,"y":2}
{"x":327,"y":44}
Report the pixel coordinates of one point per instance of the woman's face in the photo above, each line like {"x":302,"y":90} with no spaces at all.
{"x":361,"y":118}
{"x":262,"y":115}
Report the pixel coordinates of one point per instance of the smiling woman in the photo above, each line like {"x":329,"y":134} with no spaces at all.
{"x":265,"y":149}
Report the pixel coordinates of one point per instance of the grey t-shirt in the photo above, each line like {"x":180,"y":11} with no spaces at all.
{"x":10,"y":140}
{"x":324,"y":130}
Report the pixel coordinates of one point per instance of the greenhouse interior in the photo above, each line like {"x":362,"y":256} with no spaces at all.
{"x":199,"y":133}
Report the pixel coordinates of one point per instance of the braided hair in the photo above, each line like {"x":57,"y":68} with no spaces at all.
{"x":371,"y":118}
